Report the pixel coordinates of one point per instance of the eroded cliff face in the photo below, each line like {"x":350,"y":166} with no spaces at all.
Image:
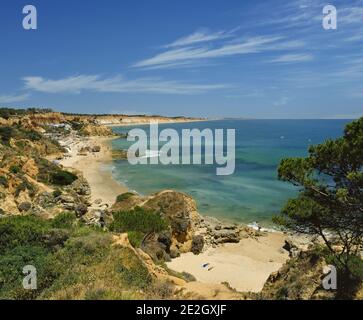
{"x":108,"y":119}
{"x":96,"y":130}
{"x":178,"y":209}
{"x":29,"y":183}
{"x":87,"y":125}
{"x":301,"y":278}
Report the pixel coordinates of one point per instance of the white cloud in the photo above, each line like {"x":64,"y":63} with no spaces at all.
{"x":13,"y":98}
{"x":291,"y":14}
{"x":281,"y":102}
{"x":246,"y":46}
{"x":76,"y":84}
{"x":200,"y":36}
{"x":290,"y":58}
{"x":350,"y":15}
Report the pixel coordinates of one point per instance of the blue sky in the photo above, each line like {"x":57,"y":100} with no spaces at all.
{"x":260,"y":59}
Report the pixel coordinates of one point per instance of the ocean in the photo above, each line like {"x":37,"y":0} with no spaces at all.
{"x":253,"y":193}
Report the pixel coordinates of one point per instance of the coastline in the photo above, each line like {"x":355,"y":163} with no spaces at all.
{"x":94,"y":168}
{"x":245,"y":266}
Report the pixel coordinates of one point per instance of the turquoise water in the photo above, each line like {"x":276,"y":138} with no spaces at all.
{"x":253,"y":192}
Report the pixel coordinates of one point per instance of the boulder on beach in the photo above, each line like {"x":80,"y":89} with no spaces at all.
{"x":197,"y":244}
{"x":96,"y":149}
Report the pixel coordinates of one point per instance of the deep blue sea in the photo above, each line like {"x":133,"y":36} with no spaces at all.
{"x":253,"y":192}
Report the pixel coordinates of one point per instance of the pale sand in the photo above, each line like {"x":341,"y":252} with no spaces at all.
{"x":96,"y":169}
{"x":245,"y":266}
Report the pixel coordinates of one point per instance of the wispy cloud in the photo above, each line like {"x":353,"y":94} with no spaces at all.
{"x":13,"y":98}
{"x":289,"y":58}
{"x":281,"y":102}
{"x":77,"y":84}
{"x":357,"y":36}
{"x":294,"y":14}
{"x":245,"y":46}
{"x":202,"y":35}
{"x":350,"y":15}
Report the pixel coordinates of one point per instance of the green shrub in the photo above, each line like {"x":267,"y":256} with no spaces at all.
{"x":15,"y":169}
{"x":138,"y":220}
{"x":21,"y":230}
{"x":56,"y":193}
{"x":77,"y":126}
{"x":135,"y":238}
{"x":124,"y":196}
{"x":131,"y":270}
{"x":5,"y":134}
{"x":4,"y":113}
{"x":161,"y":290}
{"x":85,"y":250}
{"x":11,"y":271}
{"x":45,"y":168}
{"x":62,"y":178}
{"x":4,"y":182}
{"x":25,"y":185}
{"x":355,"y":265}
{"x":64,"y":220}
{"x":32,"y":135}
{"x":18,"y":132}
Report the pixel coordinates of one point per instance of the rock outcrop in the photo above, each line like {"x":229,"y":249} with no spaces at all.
{"x":299,"y":279}
{"x":96,"y":130}
{"x":178,"y":209}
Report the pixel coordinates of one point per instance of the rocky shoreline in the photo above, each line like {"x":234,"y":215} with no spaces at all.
{"x":193,"y":234}
{"x":208,"y":231}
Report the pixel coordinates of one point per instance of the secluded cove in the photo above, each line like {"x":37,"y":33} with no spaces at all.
{"x":253,"y":192}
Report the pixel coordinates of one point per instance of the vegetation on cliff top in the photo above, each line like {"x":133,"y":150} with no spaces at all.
{"x":95,"y":269}
{"x":6,"y":113}
{"x":137,"y":223}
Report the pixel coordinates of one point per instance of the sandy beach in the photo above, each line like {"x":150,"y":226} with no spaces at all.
{"x":245,"y":265}
{"x":96,"y":168}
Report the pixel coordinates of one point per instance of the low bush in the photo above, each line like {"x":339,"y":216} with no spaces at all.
{"x":124,"y":196}
{"x":20,"y":231}
{"x":45,"y":168}
{"x":71,"y":263}
{"x":11,"y":271}
{"x":64,"y":220}
{"x":135,"y":238}
{"x":131,"y":270}
{"x":138,"y":219}
{"x":25,"y":185}
{"x":56,"y":193}
{"x":15,"y":169}
{"x":5,"y":134}
{"x":18,"y":132}
{"x":62,"y":178}
{"x":4,"y":181}
{"x":85,"y":250}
